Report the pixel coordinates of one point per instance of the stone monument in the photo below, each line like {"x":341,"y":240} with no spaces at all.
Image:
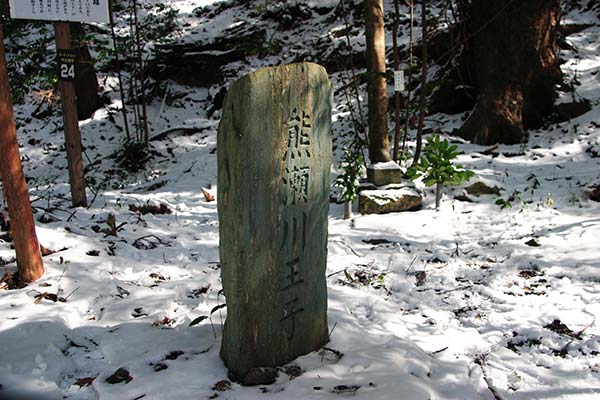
{"x":274,"y":158}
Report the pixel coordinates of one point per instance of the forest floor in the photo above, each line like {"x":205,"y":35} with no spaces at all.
{"x":468,"y":302}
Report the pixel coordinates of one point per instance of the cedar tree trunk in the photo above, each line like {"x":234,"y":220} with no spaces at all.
{"x":379,"y":143}
{"x":27,"y":248}
{"x":513,"y":50}
{"x":86,"y":83}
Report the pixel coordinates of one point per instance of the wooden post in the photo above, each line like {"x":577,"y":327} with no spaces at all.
{"x":72,"y":135}
{"x":27,"y":248}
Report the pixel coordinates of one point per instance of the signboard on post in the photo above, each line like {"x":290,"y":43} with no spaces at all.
{"x":61,"y":10}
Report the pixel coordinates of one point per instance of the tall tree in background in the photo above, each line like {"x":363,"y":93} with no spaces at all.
{"x":395,"y":27}
{"x":379,"y":143}
{"x":27,"y":248}
{"x":513,"y":49}
{"x":423,"y":96}
{"x":86,"y":82}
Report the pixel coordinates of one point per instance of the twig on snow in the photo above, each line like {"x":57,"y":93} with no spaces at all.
{"x":480,"y":360}
{"x":348,"y":246}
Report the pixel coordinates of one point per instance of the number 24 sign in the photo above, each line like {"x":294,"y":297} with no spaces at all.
{"x":66,"y":65}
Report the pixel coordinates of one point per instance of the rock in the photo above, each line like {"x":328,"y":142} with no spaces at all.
{"x":463,"y":197}
{"x":381,"y":174}
{"x":274,"y":159}
{"x":189,"y":67}
{"x":336,"y":60}
{"x":201,"y":64}
{"x":480,"y":188}
{"x":288,"y":15}
{"x":387,"y":201}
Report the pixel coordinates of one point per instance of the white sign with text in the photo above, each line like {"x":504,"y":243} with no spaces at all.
{"x":399,"y":81}
{"x":61,"y":10}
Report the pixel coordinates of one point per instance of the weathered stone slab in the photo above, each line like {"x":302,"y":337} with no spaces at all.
{"x":384,"y":173}
{"x":274,"y":157}
{"x":389,"y":200}
{"x":480,"y":188}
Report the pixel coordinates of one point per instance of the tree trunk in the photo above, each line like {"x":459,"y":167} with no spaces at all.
{"x":396,"y":92}
{"x":347,"y":209}
{"x":379,"y":143}
{"x":423,"y":95}
{"x":86,"y":82}
{"x":438,"y":194}
{"x":27,"y":248}
{"x":407,"y":112}
{"x":513,"y":49}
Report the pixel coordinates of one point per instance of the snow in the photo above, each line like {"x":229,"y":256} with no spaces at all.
{"x":384,"y":165}
{"x":384,"y":197}
{"x":449,"y":304}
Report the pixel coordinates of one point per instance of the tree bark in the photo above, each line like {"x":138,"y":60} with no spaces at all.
{"x":423,"y":95}
{"x":27,"y":248}
{"x":407,"y":112}
{"x":396,"y":93}
{"x":379,"y":143}
{"x":514,"y":53}
{"x":86,"y":82}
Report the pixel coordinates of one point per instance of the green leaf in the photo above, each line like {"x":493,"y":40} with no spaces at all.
{"x":429,"y":181}
{"x":198,"y":320}
{"x":216,"y":308}
{"x":412,"y":174}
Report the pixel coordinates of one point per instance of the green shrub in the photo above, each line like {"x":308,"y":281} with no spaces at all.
{"x":436,"y":167}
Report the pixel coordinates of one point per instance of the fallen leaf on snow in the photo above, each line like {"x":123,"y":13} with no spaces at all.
{"x":222,"y":386}
{"x":84,"y":381}
{"x":207,"y":195}
{"x":120,"y":375}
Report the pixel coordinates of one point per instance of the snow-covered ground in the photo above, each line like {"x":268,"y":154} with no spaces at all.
{"x":469,"y":302}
